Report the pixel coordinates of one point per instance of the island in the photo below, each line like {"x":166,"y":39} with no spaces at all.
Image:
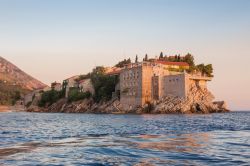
{"x":161,"y":85}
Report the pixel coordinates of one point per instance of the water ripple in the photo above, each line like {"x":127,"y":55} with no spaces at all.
{"x":79,"y":139}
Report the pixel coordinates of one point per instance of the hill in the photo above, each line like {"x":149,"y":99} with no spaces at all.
{"x":14,"y":82}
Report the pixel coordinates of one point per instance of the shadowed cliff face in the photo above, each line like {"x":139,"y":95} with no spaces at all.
{"x":11,"y":74}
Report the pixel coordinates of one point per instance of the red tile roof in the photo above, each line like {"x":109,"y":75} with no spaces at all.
{"x":114,"y":72}
{"x":173,"y":63}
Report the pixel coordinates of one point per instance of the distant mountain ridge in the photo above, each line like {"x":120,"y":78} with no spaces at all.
{"x":11,"y":74}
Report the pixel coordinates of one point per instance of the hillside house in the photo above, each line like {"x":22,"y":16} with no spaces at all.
{"x":56,"y":86}
{"x":86,"y":85}
{"x":70,"y":83}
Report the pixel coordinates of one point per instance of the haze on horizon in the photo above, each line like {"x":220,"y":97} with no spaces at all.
{"x":53,"y":40}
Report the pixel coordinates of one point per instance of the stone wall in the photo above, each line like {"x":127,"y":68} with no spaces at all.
{"x":147,"y":74}
{"x":175,"y":85}
{"x":131,"y":87}
{"x":87,"y":86}
{"x":148,"y":82}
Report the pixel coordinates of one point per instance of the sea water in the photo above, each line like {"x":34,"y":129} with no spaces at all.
{"x":89,"y":139}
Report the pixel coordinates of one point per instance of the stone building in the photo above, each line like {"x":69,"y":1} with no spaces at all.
{"x":86,"y":86}
{"x":136,"y":83}
{"x":145,"y":82}
{"x":180,"y":84}
{"x":70,"y":83}
{"x":34,"y":95}
{"x":56,"y":86}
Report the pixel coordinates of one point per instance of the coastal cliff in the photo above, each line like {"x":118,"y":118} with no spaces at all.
{"x":170,"y":84}
{"x":199,"y":101}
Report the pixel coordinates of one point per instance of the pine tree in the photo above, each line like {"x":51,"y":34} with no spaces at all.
{"x":136,"y":59}
{"x":189,"y":59}
{"x":128,"y":61}
{"x":146,"y":57}
{"x":179,"y":58}
{"x":175,"y":58}
{"x":161,"y":55}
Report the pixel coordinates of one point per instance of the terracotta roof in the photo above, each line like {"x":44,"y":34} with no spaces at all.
{"x":173,"y":63}
{"x":114,"y":72}
{"x":55,"y":83}
{"x":73,"y":77}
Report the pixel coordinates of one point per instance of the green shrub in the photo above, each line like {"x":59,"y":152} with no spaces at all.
{"x":50,"y":97}
{"x":205,"y":69}
{"x":75,"y":95}
{"x":123,"y":63}
{"x":103,"y":84}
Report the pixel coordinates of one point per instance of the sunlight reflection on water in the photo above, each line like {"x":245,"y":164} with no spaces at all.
{"x":80,"y":139}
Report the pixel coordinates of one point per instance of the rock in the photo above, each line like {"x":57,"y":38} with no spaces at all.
{"x":198,"y":100}
{"x":36,"y":109}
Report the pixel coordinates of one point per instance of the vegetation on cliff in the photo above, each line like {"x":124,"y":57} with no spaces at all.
{"x":76,"y":95}
{"x":188,"y":58}
{"x":103,"y":84}
{"x":123,"y":63}
{"x":10,"y":93}
{"x":50,"y":97}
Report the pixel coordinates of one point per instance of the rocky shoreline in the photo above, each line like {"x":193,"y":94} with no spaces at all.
{"x":199,"y":101}
{"x":17,"y":108}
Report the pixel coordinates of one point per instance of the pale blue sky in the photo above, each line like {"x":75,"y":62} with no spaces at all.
{"x":54,"y":39}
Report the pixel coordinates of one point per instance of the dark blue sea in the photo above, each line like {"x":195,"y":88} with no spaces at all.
{"x":82,"y":139}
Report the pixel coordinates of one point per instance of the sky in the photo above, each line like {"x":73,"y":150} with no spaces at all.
{"x":55,"y":39}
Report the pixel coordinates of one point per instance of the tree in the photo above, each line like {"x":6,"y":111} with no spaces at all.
{"x":179,"y":58}
{"x":189,"y":59}
{"x":99,"y":70}
{"x":146,"y":57}
{"x":123,"y":63}
{"x":75,"y":95}
{"x":161,"y":56}
{"x":104,"y":85}
{"x":201,"y":68}
{"x":128,"y":61}
{"x":205,"y":69}
{"x":50,"y":97}
{"x":136,"y":59}
{"x":209,"y":70}
{"x":176,"y":58}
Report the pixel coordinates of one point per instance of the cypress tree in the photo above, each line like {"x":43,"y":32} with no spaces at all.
{"x":146,"y":57}
{"x":136,"y":59}
{"x":161,"y":55}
